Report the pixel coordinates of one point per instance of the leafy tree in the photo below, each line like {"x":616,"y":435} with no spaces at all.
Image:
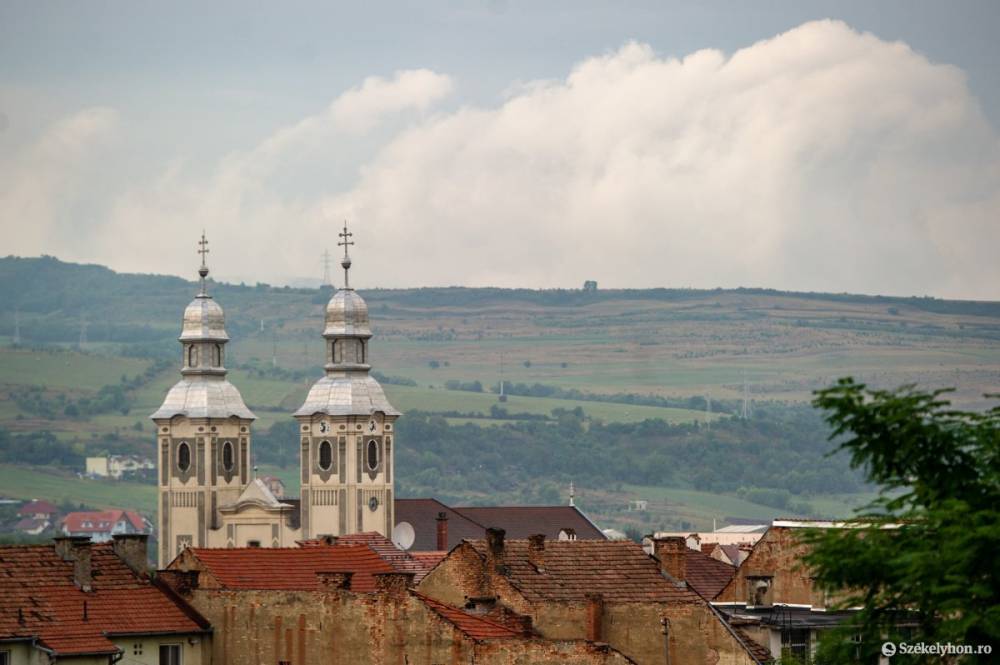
{"x":926,"y":550}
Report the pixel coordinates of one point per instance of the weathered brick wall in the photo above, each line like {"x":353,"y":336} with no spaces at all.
{"x":343,"y":628}
{"x":697,"y":636}
{"x":778,"y":555}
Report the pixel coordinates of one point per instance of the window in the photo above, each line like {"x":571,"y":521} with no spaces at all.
{"x":795,"y":642}
{"x":184,"y":456}
{"x":137,"y":649}
{"x":217,"y":355}
{"x":758,"y":591}
{"x":325,"y":455}
{"x":372,"y":457}
{"x":170,"y":654}
{"x":192,"y":356}
{"x":227,"y":456}
{"x":4,"y":658}
{"x":253,"y":543}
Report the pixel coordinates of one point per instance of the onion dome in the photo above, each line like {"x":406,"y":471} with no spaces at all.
{"x":347,"y":315}
{"x":203,"y":392}
{"x":347,"y":388}
{"x":204,"y":320}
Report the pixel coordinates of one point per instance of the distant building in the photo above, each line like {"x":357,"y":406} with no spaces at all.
{"x":32,"y":526}
{"x":38,"y":509}
{"x":590,"y":285}
{"x":102,"y":525}
{"x":116,"y":466}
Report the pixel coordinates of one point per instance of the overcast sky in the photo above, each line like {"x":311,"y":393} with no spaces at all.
{"x":842,"y":146}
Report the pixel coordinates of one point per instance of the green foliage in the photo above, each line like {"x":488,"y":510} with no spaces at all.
{"x":924,"y":554}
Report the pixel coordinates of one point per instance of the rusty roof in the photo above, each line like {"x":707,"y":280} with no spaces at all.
{"x":476,"y":627}
{"x":293,"y":568}
{"x":41,"y":601}
{"x":619,"y":570}
{"x":706,"y":575}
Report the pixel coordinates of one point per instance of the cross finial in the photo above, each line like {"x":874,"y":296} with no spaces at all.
{"x":346,"y":261}
{"x":203,"y":270}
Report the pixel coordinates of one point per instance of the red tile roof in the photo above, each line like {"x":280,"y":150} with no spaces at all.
{"x":101,"y":521}
{"x":41,"y":601}
{"x":706,"y":575}
{"x":401,"y":560}
{"x":288,"y":568}
{"x":617,"y":569}
{"x":37,"y":508}
{"x":476,"y":627}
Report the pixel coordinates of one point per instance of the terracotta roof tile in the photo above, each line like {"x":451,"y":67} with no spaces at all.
{"x":476,"y":627}
{"x":41,"y":601}
{"x":401,"y":560}
{"x":290,"y":568}
{"x":706,"y":575}
{"x":619,"y":570}
{"x":38,"y":508}
{"x":101,"y":521}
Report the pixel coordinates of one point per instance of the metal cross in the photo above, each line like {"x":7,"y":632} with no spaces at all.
{"x":345,"y":234}
{"x":204,"y":247}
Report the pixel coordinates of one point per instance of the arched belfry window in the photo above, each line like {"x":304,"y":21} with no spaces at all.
{"x":364,"y":351}
{"x":192,"y":356}
{"x":184,"y":456}
{"x":371,"y":455}
{"x":325,"y":455}
{"x":217,"y":355}
{"x":228,"y":459}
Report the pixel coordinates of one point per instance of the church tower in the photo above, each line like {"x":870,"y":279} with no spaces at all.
{"x":202,"y":431}
{"x":347,"y":428}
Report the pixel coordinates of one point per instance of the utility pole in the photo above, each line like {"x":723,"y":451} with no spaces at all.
{"x":326,"y":268}
{"x":17,"y":327}
{"x":747,"y":409}
{"x":83,"y":332}
{"x":274,"y":349}
{"x":708,"y":410}
{"x":503,"y":397}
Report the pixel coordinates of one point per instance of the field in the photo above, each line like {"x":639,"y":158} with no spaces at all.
{"x":686,"y":346}
{"x":29,"y":483}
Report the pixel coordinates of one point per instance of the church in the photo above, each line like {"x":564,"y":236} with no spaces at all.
{"x":208,"y":496}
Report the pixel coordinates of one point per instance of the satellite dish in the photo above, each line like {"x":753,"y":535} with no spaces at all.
{"x":403,"y":536}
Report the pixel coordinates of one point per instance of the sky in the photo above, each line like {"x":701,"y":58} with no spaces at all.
{"x":808,"y":146}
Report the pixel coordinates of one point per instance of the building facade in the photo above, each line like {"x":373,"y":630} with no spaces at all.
{"x":208,"y":495}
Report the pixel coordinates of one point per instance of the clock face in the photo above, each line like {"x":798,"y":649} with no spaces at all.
{"x":373,"y":504}
{"x":324,"y":427}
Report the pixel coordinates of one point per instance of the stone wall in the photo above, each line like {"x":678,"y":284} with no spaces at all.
{"x":777,"y":556}
{"x":338,"y":627}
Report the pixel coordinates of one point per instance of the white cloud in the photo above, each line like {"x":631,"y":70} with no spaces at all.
{"x":40,"y":182}
{"x":820,"y":159}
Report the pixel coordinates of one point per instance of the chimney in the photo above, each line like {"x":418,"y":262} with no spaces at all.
{"x":328,"y":540}
{"x":694,"y":541}
{"x":442,"y":531}
{"x":494,"y":541}
{"x":334,"y":581}
{"x":394,"y":583}
{"x":131,"y":548}
{"x":536,"y":551}
{"x":595,"y":616}
{"x":76,"y":549}
{"x":672,"y":553}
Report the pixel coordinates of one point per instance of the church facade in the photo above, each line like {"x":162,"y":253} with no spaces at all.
{"x":208,"y":493}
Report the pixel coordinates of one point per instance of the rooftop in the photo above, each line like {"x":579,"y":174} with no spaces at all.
{"x":41,"y":601}
{"x":619,"y":570}
{"x":292,"y":569}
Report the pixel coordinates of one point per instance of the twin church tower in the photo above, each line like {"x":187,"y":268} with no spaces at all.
{"x":208,"y":496}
